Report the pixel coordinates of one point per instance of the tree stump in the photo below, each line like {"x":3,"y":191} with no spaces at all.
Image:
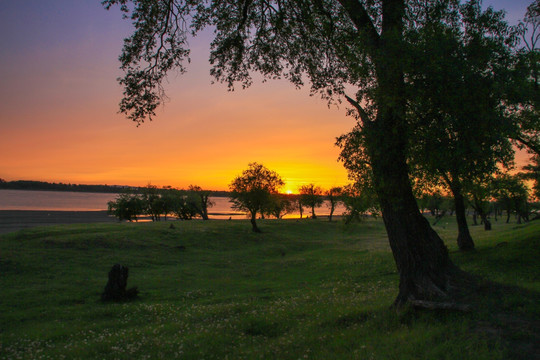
{"x":115,"y":290}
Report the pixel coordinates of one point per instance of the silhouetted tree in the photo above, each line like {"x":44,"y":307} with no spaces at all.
{"x":200,"y":200}
{"x":334,"y":198}
{"x":481,"y":191}
{"x":180,"y":204}
{"x":311,"y":196}
{"x":252,"y":191}
{"x":280,"y":205}
{"x":126,"y":206}
{"x":154,"y":204}
{"x":512,"y":194}
{"x":359,"y":200}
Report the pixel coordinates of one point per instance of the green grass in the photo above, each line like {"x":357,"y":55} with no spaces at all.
{"x":215,"y":290}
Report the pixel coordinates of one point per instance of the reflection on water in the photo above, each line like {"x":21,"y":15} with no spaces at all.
{"x":80,"y":201}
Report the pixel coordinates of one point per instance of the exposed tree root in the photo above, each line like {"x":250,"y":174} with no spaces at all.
{"x":453,"y":293}
{"x":434,"y":305}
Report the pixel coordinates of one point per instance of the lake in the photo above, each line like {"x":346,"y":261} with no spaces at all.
{"x":81,"y":201}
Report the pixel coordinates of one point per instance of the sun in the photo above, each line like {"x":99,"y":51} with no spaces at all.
{"x":288,"y":192}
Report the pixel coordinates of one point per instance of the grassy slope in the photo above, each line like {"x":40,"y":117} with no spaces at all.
{"x":214,"y":290}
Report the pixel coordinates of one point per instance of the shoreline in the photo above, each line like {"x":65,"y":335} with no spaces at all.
{"x":14,"y":220}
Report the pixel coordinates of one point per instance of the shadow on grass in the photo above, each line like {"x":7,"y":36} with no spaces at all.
{"x":510,"y":314}
{"x":505,"y":308}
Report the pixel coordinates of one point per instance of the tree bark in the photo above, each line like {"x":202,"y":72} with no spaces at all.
{"x":254,"y":226}
{"x":332,"y":208}
{"x":421,"y":257}
{"x":485,"y":220}
{"x":204,"y":203}
{"x":464,"y":239}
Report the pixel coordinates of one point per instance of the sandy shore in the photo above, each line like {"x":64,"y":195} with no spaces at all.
{"x":13,"y":220}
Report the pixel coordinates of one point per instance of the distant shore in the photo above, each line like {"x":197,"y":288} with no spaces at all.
{"x":13,"y":220}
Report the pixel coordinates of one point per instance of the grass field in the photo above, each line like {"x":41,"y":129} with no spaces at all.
{"x":215,"y":290}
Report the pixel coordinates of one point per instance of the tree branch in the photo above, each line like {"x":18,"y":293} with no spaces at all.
{"x":361,"y":19}
{"x":534,"y":148}
{"x":364,"y":116}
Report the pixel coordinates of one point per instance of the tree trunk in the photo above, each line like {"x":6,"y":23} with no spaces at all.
{"x":485,"y":220}
{"x":507,"y":216}
{"x":420,"y":255}
{"x":313,"y":216}
{"x":464,"y":239}
{"x":204,"y":204}
{"x":204,"y":212}
{"x":254,"y":226}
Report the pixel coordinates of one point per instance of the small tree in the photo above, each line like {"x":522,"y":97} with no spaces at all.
{"x":311,"y":196}
{"x":481,"y":191}
{"x":334,"y":198}
{"x":126,"y":207}
{"x":280,"y":205}
{"x":512,"y":195}
{"x":154,"y":204}
{"x":180,"y":206}
{"x":359,"y":199}
{"x":252,"y":191}
{"x":199,"y":199}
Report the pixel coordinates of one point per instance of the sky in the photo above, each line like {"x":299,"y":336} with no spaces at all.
{"x":59,"y":119}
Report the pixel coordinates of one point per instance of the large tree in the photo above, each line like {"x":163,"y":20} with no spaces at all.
{"x":457,"y":80}
{"x":336,"y":45}
{"x":253,"y":191}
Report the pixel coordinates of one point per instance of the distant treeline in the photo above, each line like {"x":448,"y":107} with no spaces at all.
{"x":46,"y":186}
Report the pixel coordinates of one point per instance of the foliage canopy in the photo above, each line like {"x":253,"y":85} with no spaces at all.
{"x":252,"y":191}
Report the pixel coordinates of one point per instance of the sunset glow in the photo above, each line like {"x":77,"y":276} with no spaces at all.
{"x":60,"y":121}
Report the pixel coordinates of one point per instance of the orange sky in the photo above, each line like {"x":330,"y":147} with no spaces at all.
{"x":59,"y":121}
